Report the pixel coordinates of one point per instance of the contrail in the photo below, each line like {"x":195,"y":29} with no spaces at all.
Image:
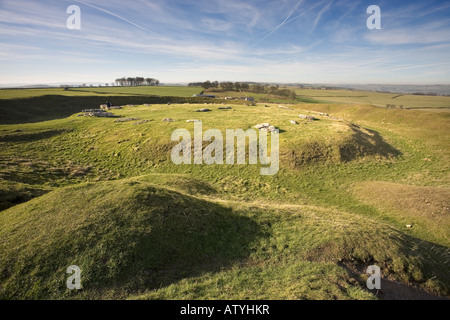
{"x":305,"y":12}
{"x":114,"y":15}
{"x":281,"y":24}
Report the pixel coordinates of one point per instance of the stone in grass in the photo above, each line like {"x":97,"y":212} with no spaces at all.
{"x":283,"y":107}
{"x":265,"y":127}
{"x":225,"y":108}
{"x":126,"y":119}
{"x":142,"y":121}
{"x":192,"y":120}
{"x":168,"y":120}
{"x":100,"y":114}
{"x":93,"y":110}
{"x":307,"y":117}
{"x":293,"y":121}
{"x":202,"y":110}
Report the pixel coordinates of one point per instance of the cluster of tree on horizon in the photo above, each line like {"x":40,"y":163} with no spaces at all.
{"x":216,"y":86}
{"x":136,"y":81}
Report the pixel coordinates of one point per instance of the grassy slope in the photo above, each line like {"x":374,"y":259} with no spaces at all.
{"x":313,"y":217}
{"x":135,"y":237}
{"x":34,"y":105}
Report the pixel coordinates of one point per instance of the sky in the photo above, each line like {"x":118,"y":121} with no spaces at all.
{"x":285,"y":41}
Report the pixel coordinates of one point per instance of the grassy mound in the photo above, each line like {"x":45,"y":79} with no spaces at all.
{"x":336,"y":143}
{"x":134,"y":239}
{"x":317,"y":253}
{"x":124,"y":235}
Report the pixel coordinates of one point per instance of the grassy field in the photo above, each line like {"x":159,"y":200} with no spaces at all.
{"x":105,"y":196}
{"x":376,"y":98}
{"x":107,"y":91}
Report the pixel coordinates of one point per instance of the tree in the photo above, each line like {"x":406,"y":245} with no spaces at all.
{"x":206,"y":84}
{"x":227,"y":86}
{"x":139,"y":81}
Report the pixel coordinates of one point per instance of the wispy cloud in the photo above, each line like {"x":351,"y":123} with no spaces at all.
{"x":319,"y":15}
{"x":113,"y":15}
{"x":317,"y":41}
{"x":429,"y":33}
{"x":280,"y":25}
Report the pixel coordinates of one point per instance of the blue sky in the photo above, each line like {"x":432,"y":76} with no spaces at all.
{"x":308,"y":41}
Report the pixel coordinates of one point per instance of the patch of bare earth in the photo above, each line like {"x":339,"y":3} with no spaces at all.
{"x":418,"y":207}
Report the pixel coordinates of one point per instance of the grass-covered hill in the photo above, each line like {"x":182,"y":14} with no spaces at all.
{"x":104,"y":195}
{"x":146,"y":237}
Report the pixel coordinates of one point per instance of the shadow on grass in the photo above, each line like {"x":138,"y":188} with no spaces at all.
{"x":49,"y":107}
{"x":366,"y":142}
{"x":143,"y":237}
{"x":31,"y":136}
{"x":189,"y":240}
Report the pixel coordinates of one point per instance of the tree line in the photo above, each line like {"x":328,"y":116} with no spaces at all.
{"x":136,"y":81}
{"x":215,"y":86}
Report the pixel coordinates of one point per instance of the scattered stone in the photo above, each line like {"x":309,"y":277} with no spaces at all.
{"x":324,"y":114}
{"x":192,"y":120}
{"x":168,"y":120}
{"x":115,"y":107}
{"x":265,"y":127}
{"x":202,"y":110}
{"x":147,"y":105}
{"x":104,"y":106}
{"x":293,"y":121}
{"x":266,"y":106}
{"x":168,"y":103}
{"x":126,"y":119}
{"x":93,"y":110}
{"x":131,"y":105}
{"x":307,"y":117}
{"x":142,"y":121}
{"x":283,"y":107}
{"x":102,"y":114}
{"x":225,"y":108}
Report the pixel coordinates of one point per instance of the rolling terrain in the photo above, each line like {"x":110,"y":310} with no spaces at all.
{"x":104,"y":195}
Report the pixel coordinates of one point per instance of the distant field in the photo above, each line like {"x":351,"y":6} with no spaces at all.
{"x":376,"y":98}
{"x":144,"y":90}
{"x":264,"y":97}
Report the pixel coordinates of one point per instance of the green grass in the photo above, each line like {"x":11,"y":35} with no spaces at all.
{"x":135,"y":235}
{"x":224,"y":231}
{"x":375,"y":98}
{"x":111,"y":91}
